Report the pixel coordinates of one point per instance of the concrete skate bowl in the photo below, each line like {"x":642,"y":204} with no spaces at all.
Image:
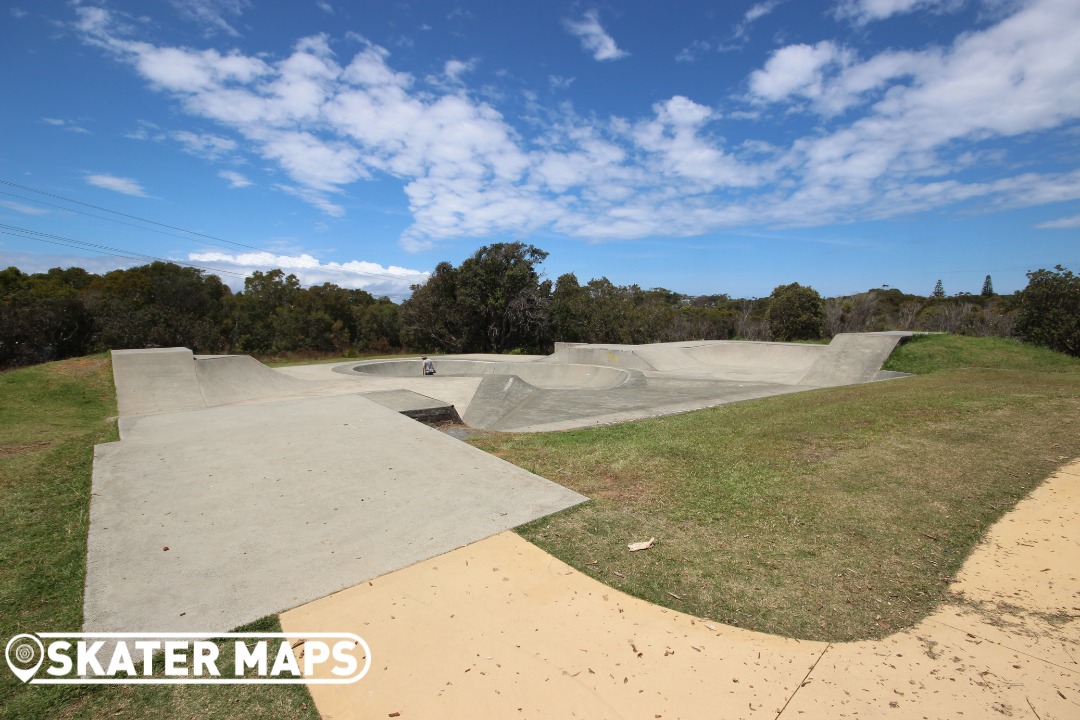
{"x":547,"y":376}
{"x":586,"y":385}
{"x":514,"y":395}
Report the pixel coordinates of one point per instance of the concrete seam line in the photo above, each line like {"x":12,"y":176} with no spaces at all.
{"x":802,"y":682}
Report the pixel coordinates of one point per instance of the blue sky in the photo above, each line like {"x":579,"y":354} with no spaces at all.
{"x":699,"y":146}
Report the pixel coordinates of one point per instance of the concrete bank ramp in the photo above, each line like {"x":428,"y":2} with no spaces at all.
{"x":174,"y":379}
{"x":735,"y":360}
{"x":783,"y":363}
{"x":153,"y":381}
{"x":227,"y":379}
{"x":849,"y":359}
{"x":497,"y":397}
{"x":852,"y":358}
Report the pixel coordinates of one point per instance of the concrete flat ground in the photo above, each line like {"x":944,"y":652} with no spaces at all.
{"x":209,"y":518}
{"x":500,"y":629}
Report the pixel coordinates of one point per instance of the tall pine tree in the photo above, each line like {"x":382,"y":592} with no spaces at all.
{"x":988,"y":287}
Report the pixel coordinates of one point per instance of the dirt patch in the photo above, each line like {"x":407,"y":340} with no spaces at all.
{"x":79,"y":367}
{"x":8,"y":450}
{"x":621,"y":489}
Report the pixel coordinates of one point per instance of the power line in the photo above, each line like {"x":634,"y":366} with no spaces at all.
{"x":27,"y":188}
{"x":99,"y":217}
{"x":84,"y":245}
{"x":62,"y":241}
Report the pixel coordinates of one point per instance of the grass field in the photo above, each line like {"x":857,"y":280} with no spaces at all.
{"x":836,"y":514}
{"x":51,"y":416}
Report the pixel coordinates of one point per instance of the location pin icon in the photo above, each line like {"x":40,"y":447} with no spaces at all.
{"x":21,"y":652}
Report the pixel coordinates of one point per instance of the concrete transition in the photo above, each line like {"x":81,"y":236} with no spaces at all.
{"x":585,"y":385}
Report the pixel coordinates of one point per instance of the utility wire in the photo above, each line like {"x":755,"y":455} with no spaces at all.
{"x":99,"y":217}
{"x":27,"y":188}
{"x":84,"y":245}
{"x":51,"y":239}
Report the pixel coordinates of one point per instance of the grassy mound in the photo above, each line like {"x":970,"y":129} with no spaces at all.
{"x":835,"y":514}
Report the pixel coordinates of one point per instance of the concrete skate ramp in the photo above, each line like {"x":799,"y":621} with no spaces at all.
{"x":158,"y":380}
{"x":620,"y":356}
{"x":173,"y":379}
{"x":227,"y":379}
{"x":849,"y":359}
{"x":541,"y":375}
{"x":852,"y":358}
{"x":783,"y":363}
{"x":497,"y":397}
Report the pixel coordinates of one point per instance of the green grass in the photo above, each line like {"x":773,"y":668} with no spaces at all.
{"x":290,"y":359}
{"x":834,"y":514}
{"x":935,"y":353}
{"x":51,"y":416}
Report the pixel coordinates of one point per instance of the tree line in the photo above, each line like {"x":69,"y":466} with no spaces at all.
{"x":496,"y":301}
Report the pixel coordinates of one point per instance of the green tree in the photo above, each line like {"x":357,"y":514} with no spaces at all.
{"x":939,"y":291}
{"x":43,"y":316}
{"x":1050,"y":310}
{"x":494,"y":302}
{"x":508,"y":305}
{"x":380,"y":326}
{"x":795,"y":312}
{"x":987,"y":288}
{"x":263,"y":316}
{"x":570,"y":310}
{"x":158,"y":305}
{"x":433,"y":318}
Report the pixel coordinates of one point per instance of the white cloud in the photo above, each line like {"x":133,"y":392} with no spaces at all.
{"x":678,"y":148}
{"x":392,"y":281}
{"x":558,"y":82}
{"x":1065,"y":223}
{"x":862,"y":12}
{"x":65,"y":124}
{"x":760,"y":10}
{"x":24,"y":209}
{"x":212,"y":14}
{"x":18,"y":13}
{"x":325,"y":6}
{"x":593,"y":37}
{"x":899,"y":131}
{"x":454,"y":69}
{"x":206,"y":145}
{"x":235,"y":179}
{"x":690,"y":52}
{"x":796,"y":70}
{"x":315,"y":198}
{"x":127,"y":186}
